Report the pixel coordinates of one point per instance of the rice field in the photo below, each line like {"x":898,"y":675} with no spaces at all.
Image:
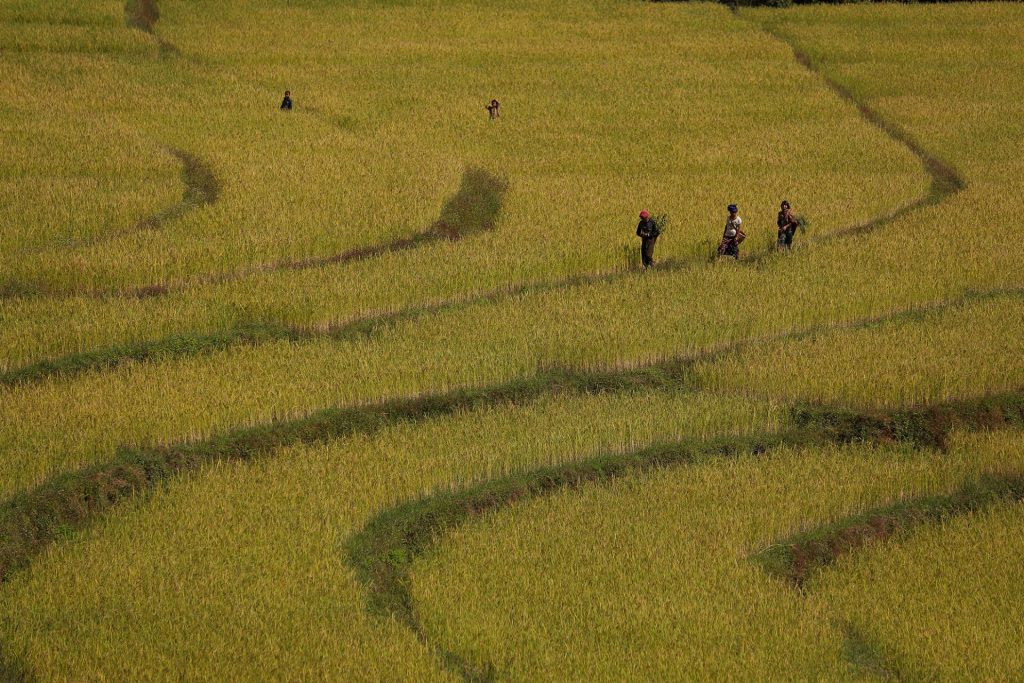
{"x":376,"y":389}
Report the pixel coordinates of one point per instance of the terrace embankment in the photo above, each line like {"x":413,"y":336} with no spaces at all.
{"x":473,"y":209}
{"x":200,"y":188}
{"x":798,"y":558}
{"x":34,"y":519}
{"x":383,"y":552}
{"x":945,"y":180}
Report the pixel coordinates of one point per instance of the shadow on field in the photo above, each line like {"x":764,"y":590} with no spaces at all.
{"x":473,"y":209}
{"x":143,"y":15}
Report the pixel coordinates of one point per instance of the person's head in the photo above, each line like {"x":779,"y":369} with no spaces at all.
{"x":733,"y":209}
{"x":287,"y":93}
{"x":785,"y":204}
{"x":494,"y":103}
{"x":645,"y":214}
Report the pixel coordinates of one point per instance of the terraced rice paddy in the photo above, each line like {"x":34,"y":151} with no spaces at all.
{"x":375,"y":389}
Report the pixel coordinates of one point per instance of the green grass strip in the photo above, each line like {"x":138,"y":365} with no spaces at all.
{"x":166,"y":348}
{"x":865,"y":656}
{"x":383,"y":551}
{"x":257,"y":333}
{"x":798,"y":558}
{"x":925,"y":427}
{"x":32,"y":520}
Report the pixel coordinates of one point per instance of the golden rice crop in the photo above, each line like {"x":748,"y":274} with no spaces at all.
{"x":571,"y":206}
{"x":648,"y":578}
{"x":946,"y":603}
{"x":964,"y":352}
{"x":238,"y":571}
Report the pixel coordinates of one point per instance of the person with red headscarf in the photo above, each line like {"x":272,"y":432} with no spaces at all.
{"x":647,"y":231}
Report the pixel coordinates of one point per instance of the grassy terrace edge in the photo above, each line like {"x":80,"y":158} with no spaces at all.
{"x":257,"y":333}
{"x":799,"y":558}
{"x":452,"y":225}
{"x":31,"y":520}
{"x":382,"y":553}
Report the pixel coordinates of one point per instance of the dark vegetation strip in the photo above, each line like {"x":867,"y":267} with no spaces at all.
{"x":383,"y":551}
{"x":945,"y":180}
{"x":798,"y":559}
{"x":255,"y":333}
{"x":201,"y":188}
{"x":143,"y":15}
{"x":927,"y":427}
{"x":32,"y":520}
{"x":473,"y":209}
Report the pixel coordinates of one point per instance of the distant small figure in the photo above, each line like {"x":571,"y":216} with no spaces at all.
{"x":788,"y":224}
{"x":730,"y":245}
{"x":286,"y":103}
{"x":493,"y":109}
{"x":647,"y":231}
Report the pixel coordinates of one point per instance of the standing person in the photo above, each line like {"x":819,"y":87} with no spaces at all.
{"x":493,"y":109}
{"x":286,"y":103}
{"x":788,"y":224}
{"x":647,"y":231}
{"x":733,"y":234}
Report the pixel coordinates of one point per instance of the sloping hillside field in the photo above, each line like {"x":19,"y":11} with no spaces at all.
{"x":377,"y":389}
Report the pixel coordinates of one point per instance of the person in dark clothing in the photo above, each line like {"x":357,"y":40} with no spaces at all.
{"x":286,"y":103}
{"x":733,"y":235}
{"x":647,"y":231}
{"x":788,"y":224}
{"x":493,"y":109}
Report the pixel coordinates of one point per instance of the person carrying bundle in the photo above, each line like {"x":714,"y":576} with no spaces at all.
{"x":788,"y":224}
{"x":493,"y":110}
{"x":286,"y":103}
{"x":647,"y":230}
{"x":733,"y":235}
